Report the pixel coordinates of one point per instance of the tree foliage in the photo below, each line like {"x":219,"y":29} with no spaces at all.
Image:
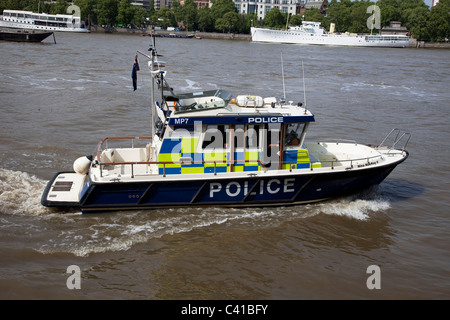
{"x":438,"y":23}
{"x":275,"y":19}
{"x":348,"y":15}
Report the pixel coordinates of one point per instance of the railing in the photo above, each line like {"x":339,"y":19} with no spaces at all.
{"x":164,"y":163}
{"x":398,"y":137}
{"x":105,"y":140}
{"x":359,"y":162}
{"x":337,"y":141}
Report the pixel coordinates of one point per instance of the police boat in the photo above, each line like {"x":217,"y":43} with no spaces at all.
{"x":211,"y":148}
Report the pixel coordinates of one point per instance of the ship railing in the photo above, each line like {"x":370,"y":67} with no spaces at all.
{"x":346,"y":163}
{"x":132,"y":164}
{"x":332,"y":164}
{"x":395,"y":138}
{"x":105,"y":141}
{"x":337,"y":141}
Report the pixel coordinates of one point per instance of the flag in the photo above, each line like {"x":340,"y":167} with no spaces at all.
{"x":134,"y":73}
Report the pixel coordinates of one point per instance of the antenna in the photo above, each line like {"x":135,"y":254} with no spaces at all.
{"x":153,"y":104}
{"x":287,"y":21}
{"x":304,"y":89}
{"x":282,"y":76}
{"x":152,"y":57}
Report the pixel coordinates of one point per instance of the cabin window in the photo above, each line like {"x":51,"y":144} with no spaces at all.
{"x":252,"y":136}
{"x":215,"y":137}
{"x":239,"y":136}
{"x":271,"y":142}
{"x":293,"y":134}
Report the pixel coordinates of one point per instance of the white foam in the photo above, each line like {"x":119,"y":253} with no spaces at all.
{"x":20,"y":193}
{"x":359,"y":209}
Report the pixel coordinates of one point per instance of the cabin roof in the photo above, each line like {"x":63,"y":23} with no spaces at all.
{"x":233,"y":114}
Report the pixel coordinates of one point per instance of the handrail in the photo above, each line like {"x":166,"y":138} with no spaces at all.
{"x":100,"y":144}
{"x":164,"y":163}
{"x":397,"y":139}
{"x":132,"y":163}
{"x":337,"y":141}
{"x":370,"y":160}
{"x":332,"y":162}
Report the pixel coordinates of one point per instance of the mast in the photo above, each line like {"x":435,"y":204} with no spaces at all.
{"x":287,"y":21}
{"x":304,"y":88}
{"x":153,"y":51}
{"x":282,"y":76}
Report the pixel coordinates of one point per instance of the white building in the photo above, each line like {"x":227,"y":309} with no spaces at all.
{"x":141,"y":3}
{"x":263,"y":6}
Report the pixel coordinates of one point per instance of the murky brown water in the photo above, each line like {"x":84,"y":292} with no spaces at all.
{"x":58,"y":101}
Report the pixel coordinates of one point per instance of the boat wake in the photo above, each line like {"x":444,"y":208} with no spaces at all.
{"x":383,"y":88}
{"x":20,"y":194}
{"x":359,"y":209}
{"x":83,"y":235}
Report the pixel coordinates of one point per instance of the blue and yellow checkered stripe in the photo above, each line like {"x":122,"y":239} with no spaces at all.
{"x":208,"y":162}
{"x":298,"y":159}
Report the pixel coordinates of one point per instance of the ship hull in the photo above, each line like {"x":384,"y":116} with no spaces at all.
{"x":292,"y":37}
{"x":20,"y":35}
{"x":248,"y":191}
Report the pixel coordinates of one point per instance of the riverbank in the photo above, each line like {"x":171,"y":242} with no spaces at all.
{"x":424,"y":44}
{"x":233,"y":36}
{"x":181,"y":34}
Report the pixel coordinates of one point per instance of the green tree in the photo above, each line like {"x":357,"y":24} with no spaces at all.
{"x":390,"y":11}
{"x":245,"y":22}
{"x":340,"y":14}
{"x":125,"y":12}
{"x":190,"y":14}
{"x":295,"y":20}
{"x":438,"y":24}
{"x":177,"y":10}
{"x":165,"y":18}
{"x":220,"y":7}
{"x":107,"y":12}
{"x":275,"y":19}
{"x":313,"y":15}
{"x":228,"y":22}
{"x":359,"y":16}
{"x":140,"y":17}
{"x":205,"y":21}
{"x":152,"y":7}
{"x":88,"y":10}
{"x":413,"y":15}
{"x":415,"y":19}
{"x":59,"y":7}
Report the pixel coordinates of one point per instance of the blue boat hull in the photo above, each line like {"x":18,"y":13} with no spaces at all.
{"x":247,"y":191}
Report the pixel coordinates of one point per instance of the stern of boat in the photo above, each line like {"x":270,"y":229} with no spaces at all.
{"x":64,"y":190}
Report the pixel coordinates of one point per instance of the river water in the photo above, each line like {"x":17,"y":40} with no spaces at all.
{"x":57,"y":101}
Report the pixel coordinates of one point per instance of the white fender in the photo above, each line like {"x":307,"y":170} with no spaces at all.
{"x":82,"y":164}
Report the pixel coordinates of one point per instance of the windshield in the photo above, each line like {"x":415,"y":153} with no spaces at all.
{"x":293,"y":134}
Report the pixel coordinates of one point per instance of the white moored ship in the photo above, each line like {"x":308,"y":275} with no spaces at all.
{"x":312,"y":33}
{"x":19,"y":19}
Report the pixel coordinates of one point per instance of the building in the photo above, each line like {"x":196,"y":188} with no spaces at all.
{"x":261,"y":7}
{"x":142,"y":3}
{"x":321,"y":6}
{"x":200,"y":3}
{"x":395,"y":27}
